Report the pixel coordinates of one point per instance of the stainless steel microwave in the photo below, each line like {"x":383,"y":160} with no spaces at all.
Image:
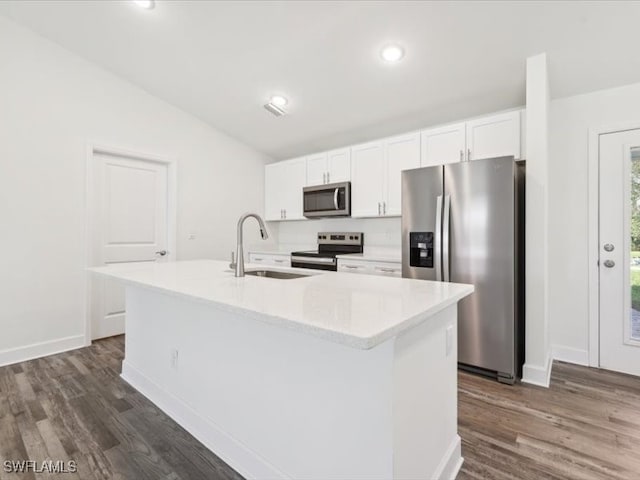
{"x":331,"y":200}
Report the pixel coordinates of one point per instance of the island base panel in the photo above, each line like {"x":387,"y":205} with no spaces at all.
{"x":278,"y":403}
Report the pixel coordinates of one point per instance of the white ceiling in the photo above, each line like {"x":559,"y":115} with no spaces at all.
{"x":222,"y":60}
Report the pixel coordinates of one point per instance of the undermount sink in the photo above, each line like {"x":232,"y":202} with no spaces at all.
{"x":274,"y":274}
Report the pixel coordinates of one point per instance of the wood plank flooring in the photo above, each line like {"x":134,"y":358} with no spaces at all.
{"x":74,"y":406}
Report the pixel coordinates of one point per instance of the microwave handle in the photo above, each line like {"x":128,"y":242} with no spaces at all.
{"x":335,"y":198}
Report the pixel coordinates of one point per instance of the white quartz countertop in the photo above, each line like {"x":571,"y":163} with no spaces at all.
{"x":360,"y":311}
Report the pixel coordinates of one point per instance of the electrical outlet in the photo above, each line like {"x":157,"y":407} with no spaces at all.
{"x":174,"y":358}
{"x":449,"y":340}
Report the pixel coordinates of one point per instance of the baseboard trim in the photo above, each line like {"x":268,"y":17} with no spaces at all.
{"x":537,"y":374}
{"x":570,"y":355}
{"x":242,"y":459}
{"x":452,"y":461}
{"x":42,"y":349}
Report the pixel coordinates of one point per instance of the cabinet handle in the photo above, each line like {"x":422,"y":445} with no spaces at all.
{"x":378,"y":208}
{"x":278,"y":261}
{"x":384,"y":208}
{"x":468,"y":154}
{"x":351,"y":266}
{"x":281,"y":214}
{"x":387,"y":270}
{"x":324,"y":178}
{"x":461,"y":156}
{"x":328,"y":181}
{"x":257,"y":259}
{"x":285,"y":213}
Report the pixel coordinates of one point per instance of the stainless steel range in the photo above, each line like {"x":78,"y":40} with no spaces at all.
{"x":330,"y":244}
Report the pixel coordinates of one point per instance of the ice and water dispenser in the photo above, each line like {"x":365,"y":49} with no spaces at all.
{"x":421,"y":249}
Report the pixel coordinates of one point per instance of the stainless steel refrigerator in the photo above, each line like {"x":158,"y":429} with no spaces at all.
{"x":464,"y":223}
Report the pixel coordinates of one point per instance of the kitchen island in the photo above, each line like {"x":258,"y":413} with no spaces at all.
{"x":327,"y":376}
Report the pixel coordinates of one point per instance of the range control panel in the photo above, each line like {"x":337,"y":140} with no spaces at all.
{"x":421,"y":249}
{"x":340,"y":238}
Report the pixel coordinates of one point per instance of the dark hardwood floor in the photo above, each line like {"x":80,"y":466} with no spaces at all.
{"x":74,"y":406}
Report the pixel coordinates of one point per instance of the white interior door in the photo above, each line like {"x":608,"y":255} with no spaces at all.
{"x":619,"y":251}
{"x":130,"y":225}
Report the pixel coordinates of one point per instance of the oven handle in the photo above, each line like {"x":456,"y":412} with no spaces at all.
{"x":317,"y":261}
{"x":335,"y":198}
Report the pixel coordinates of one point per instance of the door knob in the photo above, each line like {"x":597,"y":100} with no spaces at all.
{"x":608,"y":247}
{"x":609,"y":263}
{"x":162,"y":253}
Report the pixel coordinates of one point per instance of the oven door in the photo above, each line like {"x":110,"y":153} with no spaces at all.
{"x":316,"y":263}
{"x":332,"y":200}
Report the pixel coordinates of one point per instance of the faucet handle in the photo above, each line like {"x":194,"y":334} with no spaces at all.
{"x":232,"y":265}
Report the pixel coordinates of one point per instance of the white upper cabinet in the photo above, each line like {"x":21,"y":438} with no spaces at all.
{"x":374,"y":168}
{"x":329,"y":167}
{"x":283,"y":189}
{"x":317,"y":169}
{"x":401,"y":153}
{"x":494,"y":136}
{"x":376,"y":174}
{"x":444,"y":145}
{"x":339,"y":165}
{"x":367,"y":178}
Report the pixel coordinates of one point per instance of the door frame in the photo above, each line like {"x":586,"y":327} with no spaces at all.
{"x":593,"y":233}
{"x":93,"y":148}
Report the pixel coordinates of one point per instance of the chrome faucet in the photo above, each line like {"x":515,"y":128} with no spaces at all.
{"x":239,"y":260}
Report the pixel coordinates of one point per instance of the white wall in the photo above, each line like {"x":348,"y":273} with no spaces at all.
{"x":571,"y":118}
{"x":537,"y":366}
{"x":379,"y":233}
{"x":52,"y":103}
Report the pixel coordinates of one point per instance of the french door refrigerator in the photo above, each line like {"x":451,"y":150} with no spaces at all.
{"x":464,"y":223}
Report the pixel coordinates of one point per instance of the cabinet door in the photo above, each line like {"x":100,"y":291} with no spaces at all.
{"x":494,"y":136}
{"x":387,"y":269}
{"x":367,"y":177}
{"x":339,"y":165}
{"x":351,"y":266}
{"x":443,"y":145}
{"x":401,"y":153}
{"x":295,"y":177}
{"x":273,"y":181}
{"x":316,"y":169}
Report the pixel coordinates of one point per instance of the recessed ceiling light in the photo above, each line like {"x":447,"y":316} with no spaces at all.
{"x":278,"y":100}
{"x":392,"y":53}
{"x":148,"y":4}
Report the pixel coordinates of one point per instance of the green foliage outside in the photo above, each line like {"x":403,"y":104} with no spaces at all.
{"x":635,"y":205}
{"x":635,"y":234}
{"x":635,"y":289}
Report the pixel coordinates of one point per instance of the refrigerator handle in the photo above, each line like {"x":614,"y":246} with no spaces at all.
{"x":445,"y":237}
{"x":437,"y":251}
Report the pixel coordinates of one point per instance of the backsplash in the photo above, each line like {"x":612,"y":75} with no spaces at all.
{"x":378,"y":232}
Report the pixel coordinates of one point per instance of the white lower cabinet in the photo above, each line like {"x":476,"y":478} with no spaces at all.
{"x":275,"y":259}
{"x":370,"y":267}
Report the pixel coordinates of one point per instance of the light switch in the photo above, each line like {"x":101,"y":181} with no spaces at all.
{"x":192,"y":236}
